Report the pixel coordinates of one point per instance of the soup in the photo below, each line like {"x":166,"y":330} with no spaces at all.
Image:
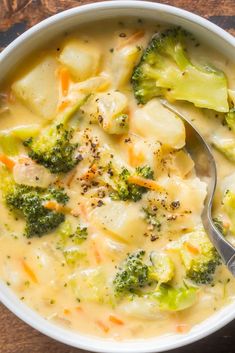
{"x":101,"y":227}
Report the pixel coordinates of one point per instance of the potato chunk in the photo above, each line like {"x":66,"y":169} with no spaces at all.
{"x":122,"y":64}
{"x":121,"y":221}
{"x":38,"y":89}
{"x":155,"y":120}
{"x":108,"y":109}
{"x":81,"y":58}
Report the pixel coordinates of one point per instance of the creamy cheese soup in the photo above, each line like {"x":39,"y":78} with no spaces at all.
{"x":100,"y":207}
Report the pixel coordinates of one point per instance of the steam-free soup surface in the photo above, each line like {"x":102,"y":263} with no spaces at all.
{"x":100,"y":207}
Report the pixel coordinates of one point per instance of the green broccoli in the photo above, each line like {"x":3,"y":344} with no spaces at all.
{"x":226,"y":146}
{"x":132,"y":275}
{"x":127,"y":191}
{"x":220,"y":226}
{"x":74,"y":257}
{"x":230,"y":119}
{"x":151,"y":217}
{"x":166,"y":70}
{"x":29,"y":202}
{"x":10,"y":139}
{"x":118,"y":125}
{"x":163,"y":267}
{"x":80,"y":235}
{"x":69,"y":236}
{"x":175,"y":299}
{"x":199,"y":257}
{"x":53,"y":147}
{"x":229,"y":207}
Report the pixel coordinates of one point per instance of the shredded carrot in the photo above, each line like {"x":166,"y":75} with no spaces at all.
{"x":62,"y":105}
{"x":96,"y":254}
{"x":134,"y":159}
{"x":191,"y":248}
{"x":90,"y":173}
{"x":134,"y":37}
{"x":55,"y":206}
{"x":75,"y":212}
{"x":83,"y":211}
{"x":71,"y":177}
{"x":104,"y":327}
{"x":67,"y":311}
{"x":29,"y":271}
{"x":9,"y":163}
{"x":147,"y":183}
{"x":64,"y":80}
{"x":115,"y":320}
{"x":182,"y":328}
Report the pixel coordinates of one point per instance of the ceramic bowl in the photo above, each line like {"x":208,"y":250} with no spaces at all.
{"x":34,"y":38}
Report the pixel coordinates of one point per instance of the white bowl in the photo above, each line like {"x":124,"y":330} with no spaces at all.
{"x":35,"y":37}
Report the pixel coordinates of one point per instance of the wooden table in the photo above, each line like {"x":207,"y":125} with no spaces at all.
{"x":15,"y":17}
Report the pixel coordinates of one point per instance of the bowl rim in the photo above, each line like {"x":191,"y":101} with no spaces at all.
{"x":13,"y":303}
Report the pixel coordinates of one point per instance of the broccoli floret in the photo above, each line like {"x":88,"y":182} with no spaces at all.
{"x":150,"y":215}
{"x":69,"y":237}
{"x":163,"y":267}
{"x":199,"y":257}
{"x":10,"y":139}
{"x":230,"y":119}
{"x":220,"y":226}
{"x":145,"y":172}
{"x":74,"y":256}
{"x":229,"y":207}
{"x":166,"y":70}
{"x":80,"y":235}
{"x":226,"y":146}
{"x":53,"y":149}
{"x":175,"y":299}
{"x":57,"y":194}
{"x":127,"y":191}
{"x":118,"y":125}
{"x":29,"y":202}
{"x":132,"y":275}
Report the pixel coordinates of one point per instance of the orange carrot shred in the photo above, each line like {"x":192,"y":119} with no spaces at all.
{"x":9,"y":163}
{"x":134,"y":159}
{"x":104,"y":327}
{"x":79,"y":309}
{"x":63,"y":105}
{"x":97,"y":254}
{"x":90,"y":174}
{"x":115,"y":320}
{"x":191,"y":248}
{"x":182,"y":328}
{"x":71,"y":177}
{"x":147,"y":183}
{"x":83,"y":211}
{"x":29,"y":271}
{"x":64,"y":79}
{"x":55,"y":206}
{"x":67,"y":311}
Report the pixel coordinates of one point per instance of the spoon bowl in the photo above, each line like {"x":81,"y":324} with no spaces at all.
{"x":206,"y":171}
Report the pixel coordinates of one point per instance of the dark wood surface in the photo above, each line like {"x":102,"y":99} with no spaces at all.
{"x":15,"y":17}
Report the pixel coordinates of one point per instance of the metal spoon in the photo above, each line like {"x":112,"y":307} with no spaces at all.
{"x":205,"y":167}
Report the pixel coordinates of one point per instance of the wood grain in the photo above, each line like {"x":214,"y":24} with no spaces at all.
{"x":15,"y":17}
